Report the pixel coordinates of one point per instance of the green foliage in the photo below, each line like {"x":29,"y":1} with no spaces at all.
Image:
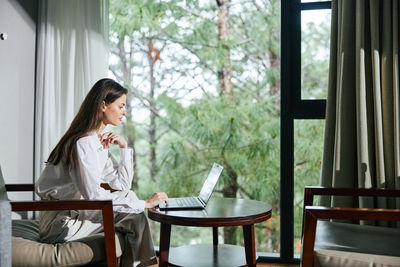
{"x":144,"y":17}
{"x":308,"y":151}
{"x":315,"y":63}
{"x":245,"y":136}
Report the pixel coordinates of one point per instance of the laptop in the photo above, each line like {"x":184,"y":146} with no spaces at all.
{"x":199,"y":202}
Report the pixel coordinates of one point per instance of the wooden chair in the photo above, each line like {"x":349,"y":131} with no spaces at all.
{"x":104,"y":205}
{"x":325,"y":233}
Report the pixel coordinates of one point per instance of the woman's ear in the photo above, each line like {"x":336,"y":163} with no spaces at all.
{"x":103,"y":106}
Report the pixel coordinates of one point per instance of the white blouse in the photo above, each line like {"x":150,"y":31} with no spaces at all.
{"x":95,"y":166}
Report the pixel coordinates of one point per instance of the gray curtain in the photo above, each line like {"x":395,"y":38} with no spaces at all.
{"x":362,"y":134}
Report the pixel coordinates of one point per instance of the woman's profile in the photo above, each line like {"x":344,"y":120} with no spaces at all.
{"x":81,"y":162}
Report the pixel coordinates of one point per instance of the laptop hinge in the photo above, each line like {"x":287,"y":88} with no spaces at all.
{"x":202,"y":202}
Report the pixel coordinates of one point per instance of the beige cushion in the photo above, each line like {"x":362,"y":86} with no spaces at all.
{"x":28,"y":251}
{"x":31,"y":253}
{"x":335,"y":258}
{"x":343,"y":244}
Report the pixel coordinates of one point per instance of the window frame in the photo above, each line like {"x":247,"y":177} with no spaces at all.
{"x":292,"y":108}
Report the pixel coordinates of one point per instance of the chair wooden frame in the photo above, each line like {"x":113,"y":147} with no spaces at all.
{"x":104,"y":205}
{"x":313,"y":213}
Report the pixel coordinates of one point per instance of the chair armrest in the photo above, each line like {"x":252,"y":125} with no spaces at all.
{"x":31,"y":187}
{"x":37,"y":205}
{"x":107,"y":187}
{"x":312,"y":214}
{"x":20,"y":187}
{"x":104,"y":205}
{"x":311,"y":191}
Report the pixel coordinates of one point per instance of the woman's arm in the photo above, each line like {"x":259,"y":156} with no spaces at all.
{"x":89,"y":173}
{"x":118,"y":175}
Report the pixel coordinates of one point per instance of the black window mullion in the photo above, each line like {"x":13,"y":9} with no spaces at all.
{"x":292,"y":107}
{"x":313,"y":5}
{"x":309,"y":109}
{"x":290,"y":88}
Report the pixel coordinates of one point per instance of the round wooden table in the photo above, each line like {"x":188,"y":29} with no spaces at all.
{"x":219,"y":212}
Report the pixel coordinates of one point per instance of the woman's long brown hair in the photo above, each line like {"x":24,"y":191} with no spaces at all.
{"x":88,"y":119}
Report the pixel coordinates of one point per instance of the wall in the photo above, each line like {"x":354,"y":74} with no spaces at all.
{"x":17,"y":89}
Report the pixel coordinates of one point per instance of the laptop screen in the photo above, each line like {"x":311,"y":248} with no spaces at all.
{"x":211,"y":181}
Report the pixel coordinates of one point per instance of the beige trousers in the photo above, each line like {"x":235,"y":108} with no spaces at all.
{"x":62,"y":226}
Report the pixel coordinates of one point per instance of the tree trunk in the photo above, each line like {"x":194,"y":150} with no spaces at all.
{"x":275,"y":63}
{"x":225,"y":71}
{"x":230,"y":188}
{"x":130,"y":135}
{"x":153,"y":55}
{"x":127,"y":73}
{"x":275,"y":89}
{"x":135,"y":180}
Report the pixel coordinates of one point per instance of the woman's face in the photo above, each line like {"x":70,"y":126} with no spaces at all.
{"x":115,"y":111}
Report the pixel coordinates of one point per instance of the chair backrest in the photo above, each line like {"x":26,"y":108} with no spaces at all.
{"x":3,"y":192}
{"x":5,"y":222}
{"x":5,"y":234}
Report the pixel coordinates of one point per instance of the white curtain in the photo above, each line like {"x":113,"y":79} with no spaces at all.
{"x":72,"y":55}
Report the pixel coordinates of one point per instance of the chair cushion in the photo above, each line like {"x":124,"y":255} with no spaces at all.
{"x":27,"y":250}
{"x":334,"y":258}
{"x":344,"y":244}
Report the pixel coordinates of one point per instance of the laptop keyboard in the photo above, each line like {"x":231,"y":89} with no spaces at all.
{"x":187,"y":201}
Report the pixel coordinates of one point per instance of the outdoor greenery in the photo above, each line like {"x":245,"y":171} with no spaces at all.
{"x":204,"y":87}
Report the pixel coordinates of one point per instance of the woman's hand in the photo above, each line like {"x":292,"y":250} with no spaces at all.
{"x":156,"y":199}
{"x":111,"y":138}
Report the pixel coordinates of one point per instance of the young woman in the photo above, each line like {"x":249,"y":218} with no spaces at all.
{"x":81,"y":162}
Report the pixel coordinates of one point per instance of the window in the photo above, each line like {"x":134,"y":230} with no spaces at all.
{"x":202,"y":92}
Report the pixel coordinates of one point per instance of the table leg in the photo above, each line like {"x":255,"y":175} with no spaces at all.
{"x":215,"y":238}
{"x":249,"y":245}
{"x":165,"y":235}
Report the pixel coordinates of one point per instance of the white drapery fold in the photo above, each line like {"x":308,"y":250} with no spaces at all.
{"x":72,"y":54}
